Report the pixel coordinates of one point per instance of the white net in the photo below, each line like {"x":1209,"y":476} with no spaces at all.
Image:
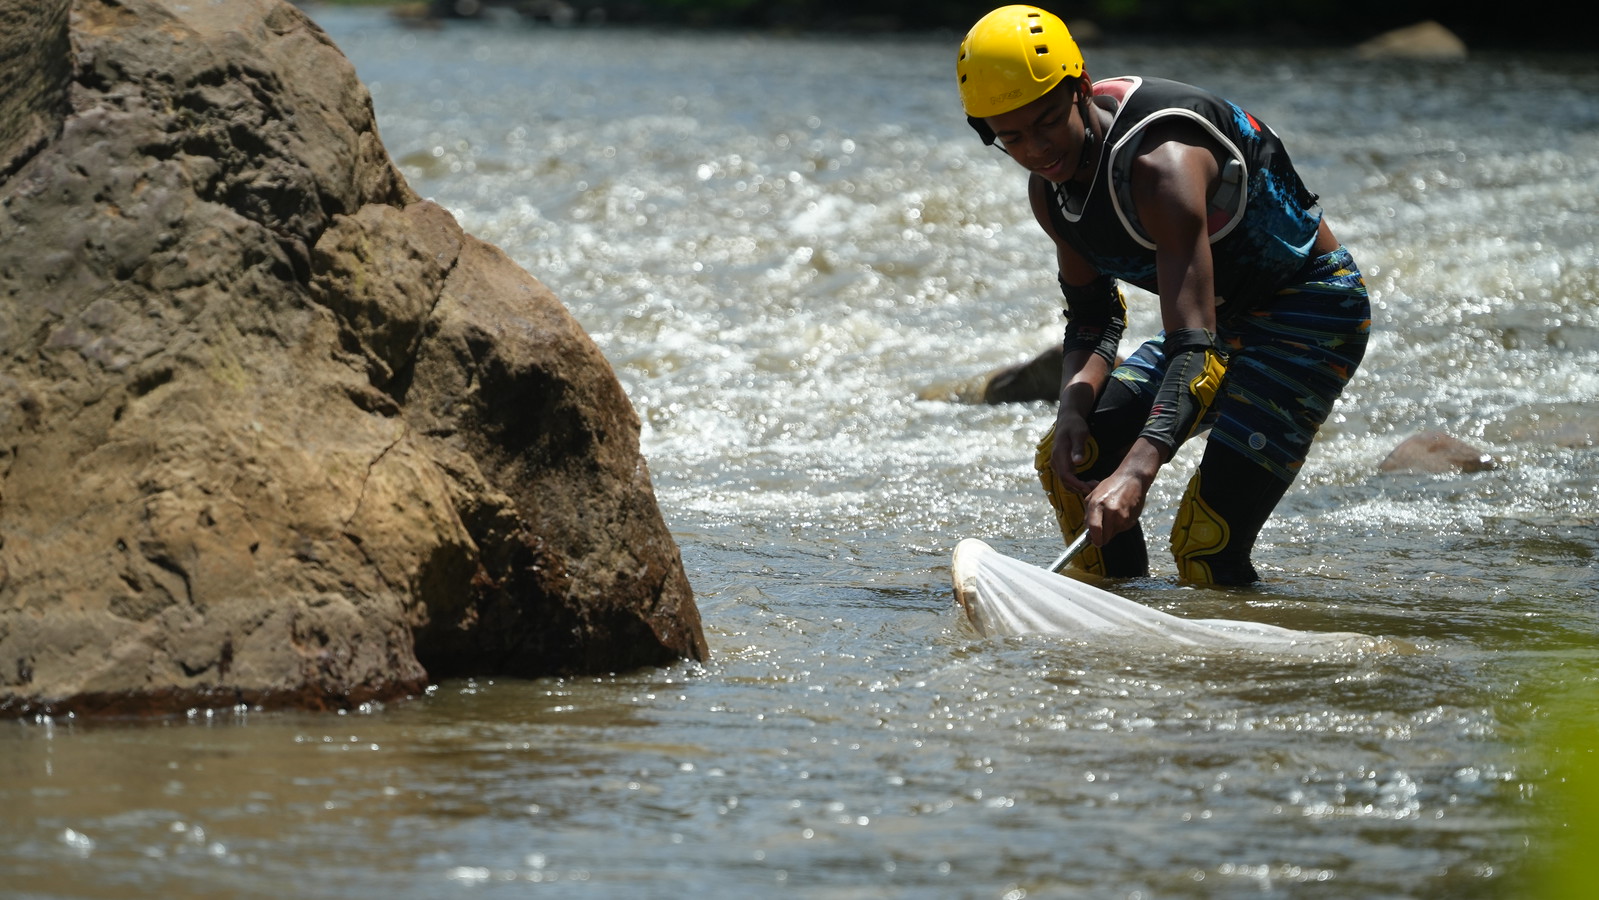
{"x":1005,"y":596}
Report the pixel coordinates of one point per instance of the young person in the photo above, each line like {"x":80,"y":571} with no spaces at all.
{"x":1265,"y":316}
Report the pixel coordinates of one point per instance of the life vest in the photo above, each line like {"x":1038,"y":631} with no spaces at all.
{"x":1262,"y":220}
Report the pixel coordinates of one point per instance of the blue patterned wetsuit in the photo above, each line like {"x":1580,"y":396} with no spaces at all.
{"x":1293,"y":329}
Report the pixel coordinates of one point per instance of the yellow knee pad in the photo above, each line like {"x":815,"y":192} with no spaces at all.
{"x":1197,"y":532}
{"x":1069,"y":513}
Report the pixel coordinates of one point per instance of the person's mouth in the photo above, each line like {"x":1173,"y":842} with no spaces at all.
{"x":1054,"y":170}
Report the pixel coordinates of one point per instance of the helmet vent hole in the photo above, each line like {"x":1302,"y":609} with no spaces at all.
{"x":1042,"y":49}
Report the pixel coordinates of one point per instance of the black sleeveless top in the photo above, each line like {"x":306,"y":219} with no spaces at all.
{"x":1262,"y":220}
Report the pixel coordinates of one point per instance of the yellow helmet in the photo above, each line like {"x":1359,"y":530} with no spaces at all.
{"x":1013,"y":56}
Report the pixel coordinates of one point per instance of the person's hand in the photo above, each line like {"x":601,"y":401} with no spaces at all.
{"x":1116,"y":501}
{"x":1071,"y":449}
{"x":1113,"y":506}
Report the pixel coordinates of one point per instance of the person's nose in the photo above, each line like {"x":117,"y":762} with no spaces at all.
{"x":1038,"y":147}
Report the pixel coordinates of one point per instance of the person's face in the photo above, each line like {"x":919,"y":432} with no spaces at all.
{"x":1045,"y":136}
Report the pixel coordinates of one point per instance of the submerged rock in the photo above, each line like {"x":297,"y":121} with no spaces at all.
{"x":1036,"y":379}
{"x":1423,"y":40}
{"x":272,"y":429}
{"x":1435,"y":451}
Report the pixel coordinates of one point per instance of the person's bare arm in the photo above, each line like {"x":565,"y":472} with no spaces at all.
{"x":1083,"y":371}
{"x":1171,"y":181}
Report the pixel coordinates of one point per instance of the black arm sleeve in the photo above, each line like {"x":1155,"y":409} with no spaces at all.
{"x":1194,"y":372}
{"x":1096,"y":314}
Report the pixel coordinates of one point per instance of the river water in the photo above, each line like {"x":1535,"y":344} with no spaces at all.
{"x":780,"y":242}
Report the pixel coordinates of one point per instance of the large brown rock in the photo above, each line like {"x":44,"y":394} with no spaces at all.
{"x":34,"y":58}
{"x":273,"y":430}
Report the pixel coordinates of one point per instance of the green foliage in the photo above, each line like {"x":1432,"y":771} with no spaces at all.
{"x":1570,"y":750}
{"x":1118,"y":9}
{"x":717,"y":7}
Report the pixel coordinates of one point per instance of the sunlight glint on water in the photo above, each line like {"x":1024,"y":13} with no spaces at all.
{"x":778,"y":242}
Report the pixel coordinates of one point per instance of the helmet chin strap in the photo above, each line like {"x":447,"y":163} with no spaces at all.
{"x":1090,"y":152}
